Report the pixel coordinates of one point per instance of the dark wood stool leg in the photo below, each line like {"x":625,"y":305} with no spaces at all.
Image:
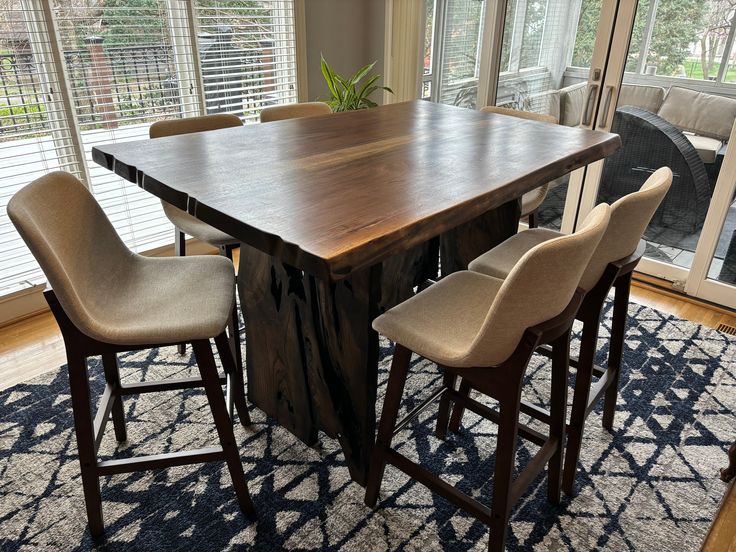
{"x":235,"y":374}
{"x":180,"y":250}
{"x":505,"y":463}
{"x":622,"y":287}
{"x":729,"y":472}
{"x":532,"y":219}
{"x":458,"y":410}
{"x":84,"y":430}
{"x":233,"y":326}
{"x":444,"y":411}
{"x":112,"y":377}
{"x":211,"y":381}
{"x":583,"y":379}
{"x":394,"y":391}
{"x":558,"y":411}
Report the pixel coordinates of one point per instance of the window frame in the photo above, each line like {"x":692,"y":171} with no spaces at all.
{"x":183,"y":24}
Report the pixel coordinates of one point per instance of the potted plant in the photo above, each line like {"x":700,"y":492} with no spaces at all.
{"x":349,"y":94}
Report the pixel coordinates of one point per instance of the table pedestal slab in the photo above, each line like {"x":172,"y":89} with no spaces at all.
{"x":311,"y":353}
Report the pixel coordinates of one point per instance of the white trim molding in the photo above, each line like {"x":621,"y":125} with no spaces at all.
{"x":404,"y":47}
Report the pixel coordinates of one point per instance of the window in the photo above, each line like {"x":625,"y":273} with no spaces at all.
{"x":692,"y":39}
{"x":119,"y":66}
{"x":452,"y":50}
{"x":248,"y":55}
{"x":123,"y":75}
{"x":35,"y":135}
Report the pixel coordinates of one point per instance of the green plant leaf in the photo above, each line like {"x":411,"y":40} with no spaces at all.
{"x":368,"y":84}
{"x":329,"y":77}
{"x":344,"y":92}
{"x":362,"y":72}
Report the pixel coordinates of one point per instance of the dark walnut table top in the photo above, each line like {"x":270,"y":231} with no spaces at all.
{"x":338,"y":193}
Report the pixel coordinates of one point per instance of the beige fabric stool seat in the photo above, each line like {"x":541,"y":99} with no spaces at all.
{"x":530,"y":201}
{"x":163,"y":300}
{"x":485,"y":330}
{"x":500,"y":261}
{"x":294,"y":111}
{"x":463,"y":300}
{"x":183,"y":221}
{"x":107,"y":300}
{"x":194,"y":227}
{"x":611,"y":266}
{"x":630,"y":216}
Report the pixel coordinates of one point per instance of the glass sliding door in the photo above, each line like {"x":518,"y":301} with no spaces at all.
{"x":669,"y":92}
{"x":551,"y":61}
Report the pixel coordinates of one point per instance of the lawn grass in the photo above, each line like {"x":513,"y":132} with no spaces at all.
{"x":693,"y":70}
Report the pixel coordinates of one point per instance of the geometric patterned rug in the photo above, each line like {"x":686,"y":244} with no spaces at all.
{"x":651,"y":484}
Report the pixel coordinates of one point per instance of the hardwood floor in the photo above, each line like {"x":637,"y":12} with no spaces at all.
{"x":34,"y":346}
{"x":29,"y":348}
{"x":722,"y":535}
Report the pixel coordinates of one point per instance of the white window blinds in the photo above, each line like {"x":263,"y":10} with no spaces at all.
{"x":461,"y":52}
{"x":124,"y":75}
{"x":76,"y":74}
{"x":36,"y":135}
{"x":248,"y":55}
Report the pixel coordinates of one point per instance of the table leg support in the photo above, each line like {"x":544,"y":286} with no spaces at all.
{"x":311,"y":353}
{"x":280,"y":338}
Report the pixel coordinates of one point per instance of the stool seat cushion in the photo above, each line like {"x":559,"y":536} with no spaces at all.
{"x":163,"y":300}
{"x":194,"y":227}
{"x":108,"y":292}
{"x":530,"y":201}
{"x":442,"y":322}
{"x":499,"y":261}
{"x":630,"y":216}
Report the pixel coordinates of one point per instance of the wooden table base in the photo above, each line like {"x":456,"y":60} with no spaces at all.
{"x":311,"y":353}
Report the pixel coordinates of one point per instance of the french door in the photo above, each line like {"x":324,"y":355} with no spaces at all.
{"x":662,"y":75}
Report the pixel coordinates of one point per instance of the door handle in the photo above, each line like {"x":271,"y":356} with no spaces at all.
{"x":588,"y":113}
{"x":606,"y":106}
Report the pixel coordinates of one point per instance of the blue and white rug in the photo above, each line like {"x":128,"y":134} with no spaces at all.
{"x":653,"y":484}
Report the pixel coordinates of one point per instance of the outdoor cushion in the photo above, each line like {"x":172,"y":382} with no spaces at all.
{"x":707,"y":148}
{"x":646,"y":97}
{"x":704,"y":114}
{"x":572,"y":100}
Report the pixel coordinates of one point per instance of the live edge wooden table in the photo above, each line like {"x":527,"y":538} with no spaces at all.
{"x":340,"y":217}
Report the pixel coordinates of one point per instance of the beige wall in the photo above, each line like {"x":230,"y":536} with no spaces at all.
{"x":350,"y":34}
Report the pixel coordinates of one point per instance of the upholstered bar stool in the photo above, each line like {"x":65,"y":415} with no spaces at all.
{"x":485,"y":330}
{"x":610,"y":267}
{"x":107,"y":299}
{"x":184,"y":223}
{"x":530,"y":201}
{"x":294,"y":111}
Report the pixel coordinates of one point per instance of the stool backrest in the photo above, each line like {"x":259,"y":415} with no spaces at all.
{"x":539,"y":117}
{"x":171,"y":127}
{"x":630,"y":217}
{"x":294,"y":111}
{"x":74,"y":242}
{"x":538,"y":288}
